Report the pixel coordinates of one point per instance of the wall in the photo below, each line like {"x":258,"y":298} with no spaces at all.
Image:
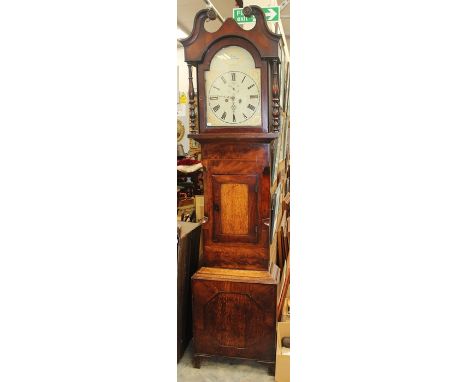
{"x":182,"y":109}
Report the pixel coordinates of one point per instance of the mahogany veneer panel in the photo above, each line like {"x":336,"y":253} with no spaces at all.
{"x":234,"y":313}
{"x":257,"y":152}
{"x":237,"y":162}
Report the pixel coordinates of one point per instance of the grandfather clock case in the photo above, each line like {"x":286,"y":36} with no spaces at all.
{"x":235,"y":290}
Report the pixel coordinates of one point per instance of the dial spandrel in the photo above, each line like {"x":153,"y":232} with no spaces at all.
{"x":233,"y":89}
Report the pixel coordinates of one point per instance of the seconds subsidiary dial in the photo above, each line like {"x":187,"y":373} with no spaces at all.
{"x":234,"y":97}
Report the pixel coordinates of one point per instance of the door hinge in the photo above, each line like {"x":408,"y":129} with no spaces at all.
{"x":256,"y":186}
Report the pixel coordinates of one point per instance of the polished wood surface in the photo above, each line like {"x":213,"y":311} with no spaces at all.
{"x":235,"y":313}
{"x":240,"y":163}
{"x":260,"y":35}
{"x":237,"y":275}
{"x":240,"y":150}
{"x":229,"y":138}
{"x":235,"y":208}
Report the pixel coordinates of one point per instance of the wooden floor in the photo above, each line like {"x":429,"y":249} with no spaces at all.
{"x":221,"y":370}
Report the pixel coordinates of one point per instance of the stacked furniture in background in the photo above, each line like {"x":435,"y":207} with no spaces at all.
{"x":188,"y":241}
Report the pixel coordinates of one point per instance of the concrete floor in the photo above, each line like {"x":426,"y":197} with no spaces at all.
{"x":221,"y":370}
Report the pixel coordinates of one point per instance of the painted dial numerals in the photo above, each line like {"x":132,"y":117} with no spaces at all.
{"x":234,"y":97}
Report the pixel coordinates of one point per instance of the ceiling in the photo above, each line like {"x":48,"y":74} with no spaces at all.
{"x":186,"y":10}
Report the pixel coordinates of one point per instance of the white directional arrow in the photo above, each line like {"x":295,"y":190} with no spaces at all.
{"x":271,"y":14}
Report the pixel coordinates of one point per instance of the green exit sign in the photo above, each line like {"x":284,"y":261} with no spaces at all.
{"x":271,"y":14}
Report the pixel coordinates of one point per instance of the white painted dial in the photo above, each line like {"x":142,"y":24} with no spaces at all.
{"x":234,"y":97}
{"x":233,"y":89}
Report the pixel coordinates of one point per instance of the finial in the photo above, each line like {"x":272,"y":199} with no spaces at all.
{"x":211,"y":14}
{"x":247,"y":11}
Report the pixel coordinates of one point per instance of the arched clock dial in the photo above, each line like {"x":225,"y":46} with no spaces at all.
{"x":233,"y":89}
{"x":234,"y":97}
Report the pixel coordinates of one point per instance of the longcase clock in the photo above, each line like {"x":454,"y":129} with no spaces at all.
{"x":235,"y":290}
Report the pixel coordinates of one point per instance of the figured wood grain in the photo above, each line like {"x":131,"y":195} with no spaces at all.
{"x":234,"y":159}
{"x":232,"y":317}
{"x":238,"y":275}
{"x":234,"y":166}
{"x":236,"y":255}
{"x":243,"y":150}
{"x":234,"y":209}
{"x":226,"y":316}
